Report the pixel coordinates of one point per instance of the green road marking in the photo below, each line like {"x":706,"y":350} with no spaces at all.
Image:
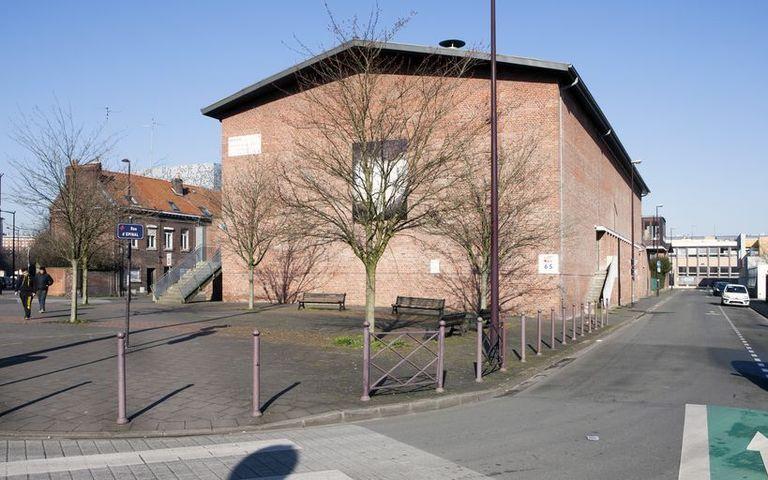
{"x":730,"y":432}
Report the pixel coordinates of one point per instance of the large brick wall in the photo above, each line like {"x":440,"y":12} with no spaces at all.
{"x":100,"y":284}
{"x":595,"y":192}
{"x":591,"y":188}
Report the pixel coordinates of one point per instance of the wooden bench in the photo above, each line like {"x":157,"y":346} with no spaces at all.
{"x":430,"y":306}
{"x":323,"y":299}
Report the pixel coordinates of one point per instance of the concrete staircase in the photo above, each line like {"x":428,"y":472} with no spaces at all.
{"x":596,"y":286}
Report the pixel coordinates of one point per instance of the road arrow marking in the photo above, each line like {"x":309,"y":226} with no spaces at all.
{"x":760,"y":444}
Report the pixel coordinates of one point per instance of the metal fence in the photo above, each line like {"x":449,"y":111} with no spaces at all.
{"x":407,"y":360}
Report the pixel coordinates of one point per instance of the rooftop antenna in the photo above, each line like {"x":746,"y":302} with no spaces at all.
{"x":152,"y":125}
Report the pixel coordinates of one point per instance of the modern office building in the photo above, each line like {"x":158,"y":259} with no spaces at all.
{"x":699,"y":261}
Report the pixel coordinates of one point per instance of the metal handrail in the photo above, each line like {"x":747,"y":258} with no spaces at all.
{"x":187,"y":263}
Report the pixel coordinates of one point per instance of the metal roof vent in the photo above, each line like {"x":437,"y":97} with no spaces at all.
{"x":453,"y":43}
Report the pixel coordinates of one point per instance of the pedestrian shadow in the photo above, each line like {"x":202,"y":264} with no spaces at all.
{"x":274,"y":462}
{"x":752,"y":372}
{"x":159,"y":401}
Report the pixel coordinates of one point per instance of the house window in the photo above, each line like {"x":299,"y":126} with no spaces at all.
{"x":682,"y":270}
{"x":380,"y":179}
{"x":185,"y":240}
{"x":134,"y":244}
{"x":151,"y":239}
{"x":206,"y":212}
{"x":173,"y":206}
{"x":168,"y":240}
{"x":703,"y":270}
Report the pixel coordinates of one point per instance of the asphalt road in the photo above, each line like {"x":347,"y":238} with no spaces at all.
{"x":630,"y":392}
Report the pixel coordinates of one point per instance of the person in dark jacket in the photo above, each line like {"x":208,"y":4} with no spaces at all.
{"x":42,"y":282}
{"x":25,"y":289}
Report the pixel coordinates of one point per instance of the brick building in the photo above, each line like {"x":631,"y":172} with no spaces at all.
{"x":178,"y":219}
{"x":585,"y":167}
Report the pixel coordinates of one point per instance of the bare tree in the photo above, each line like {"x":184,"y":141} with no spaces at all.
{"x":249,"y":210}
{"x":377,"y":137}
{"x":59,"y":179}
{"x":290,"y":270}
{"x":524,"y":225}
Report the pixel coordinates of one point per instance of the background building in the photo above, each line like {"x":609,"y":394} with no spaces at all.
{"x":699,"y":261}
{"x":206,"y":175}
{"x":585,"y":167}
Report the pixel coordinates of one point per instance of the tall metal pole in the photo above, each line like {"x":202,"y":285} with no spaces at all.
{"x":632,"y":228}
{"x":2,"y":247}
{"x":128,"y":290}
{"x":494,"y":186}
{"x":13,"y":245}
{"x":656,"y":249}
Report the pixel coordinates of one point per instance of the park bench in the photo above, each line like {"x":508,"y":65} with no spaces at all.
{"x":323,"y":299}
{"x":434,"y":307}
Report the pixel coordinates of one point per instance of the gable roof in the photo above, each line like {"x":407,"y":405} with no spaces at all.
{"x":565,"y":74}
{"x":155,"y":195}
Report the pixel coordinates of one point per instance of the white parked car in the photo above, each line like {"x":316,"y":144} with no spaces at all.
{"x":734,"y":294}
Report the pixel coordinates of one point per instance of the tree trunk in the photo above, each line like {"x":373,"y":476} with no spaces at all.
{"x":484,"y":275}
{"x":84,"y":294}
{"x":73,"y":293}
{"x":250,"y":285}
{"x":370,"y":296}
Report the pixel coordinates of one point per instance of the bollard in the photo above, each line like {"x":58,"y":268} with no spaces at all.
{"x":440,"y":357}
{"x":581,"y":318}
{"x":552,"y":328}
{"x":366,"y":362}
{"x":256,"y":407}
{"x":589,"y":317}
{"x":562,"y":317}
{"x":573,"y":322}
{"x":538,"y":333}
{"x":522,"y":338}
{"x":503,"y":346}
{"x":121,"y":418}
{"x":606,"y":316}
{"x":479,"y":359}
{"x":603,"y":315}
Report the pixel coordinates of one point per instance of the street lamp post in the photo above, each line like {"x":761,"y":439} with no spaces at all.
{"x":494,"y":187}
{"x":633,"y":266}
{"x":128,"y":278}
{"x":656,"y":247}
{"x":13,"y":243}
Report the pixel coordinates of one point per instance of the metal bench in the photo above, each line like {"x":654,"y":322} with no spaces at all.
{"x":323,"y":299}
{"x":434,"y":307}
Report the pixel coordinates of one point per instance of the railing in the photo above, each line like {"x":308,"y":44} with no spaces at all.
{"x":397,"y":365}
{"x":191,"y":281}
{"x":187,"y":264}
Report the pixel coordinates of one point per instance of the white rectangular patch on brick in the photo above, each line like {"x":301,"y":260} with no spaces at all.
{"x":241,"y":145}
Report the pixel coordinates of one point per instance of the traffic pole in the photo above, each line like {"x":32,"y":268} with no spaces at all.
{"x":256,"y":411}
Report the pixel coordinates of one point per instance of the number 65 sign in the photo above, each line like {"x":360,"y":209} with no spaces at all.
{"x":549,"y":263}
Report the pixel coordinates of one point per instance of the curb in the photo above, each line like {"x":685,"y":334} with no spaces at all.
{"x":532,"y":376}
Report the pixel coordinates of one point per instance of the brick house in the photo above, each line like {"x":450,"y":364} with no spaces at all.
{"x":585,"y":167}
{"x":177,"y":219}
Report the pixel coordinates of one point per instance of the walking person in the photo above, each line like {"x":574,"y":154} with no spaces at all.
{"x":25,"y":289}
{"x":42,"y":282}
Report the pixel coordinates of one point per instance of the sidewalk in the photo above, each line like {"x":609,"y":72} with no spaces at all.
{"x":189,"y":369}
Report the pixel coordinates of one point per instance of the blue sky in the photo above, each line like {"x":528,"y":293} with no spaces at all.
{"x":682,"y":82}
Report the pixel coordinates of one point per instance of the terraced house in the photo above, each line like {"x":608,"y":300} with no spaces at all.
{"x":592,"y":188}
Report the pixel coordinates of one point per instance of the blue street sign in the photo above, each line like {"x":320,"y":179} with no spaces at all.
{"x":130,"y":231}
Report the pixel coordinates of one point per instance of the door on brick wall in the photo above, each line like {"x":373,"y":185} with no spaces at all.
{"x":150,"y":279}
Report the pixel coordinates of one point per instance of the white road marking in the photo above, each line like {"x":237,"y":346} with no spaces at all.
{"x":694,"y":455}
{"x":751,"y":352}
{"x":87,"y":462}
{"x":326,"y":475}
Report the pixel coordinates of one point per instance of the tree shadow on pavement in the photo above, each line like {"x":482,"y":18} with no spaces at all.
{"x":203,"y":332}
{"x":752,"y":372}
{"x":274,"y":462}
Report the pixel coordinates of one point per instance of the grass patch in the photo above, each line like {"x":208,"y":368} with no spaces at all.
{"x":356,"y":342}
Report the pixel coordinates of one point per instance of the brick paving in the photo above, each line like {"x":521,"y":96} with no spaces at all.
{"x":189,"y":366}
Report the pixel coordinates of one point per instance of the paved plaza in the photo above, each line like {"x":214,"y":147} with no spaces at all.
{"x":189,"y":367}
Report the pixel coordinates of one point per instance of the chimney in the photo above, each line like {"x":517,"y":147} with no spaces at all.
{"x":178,"y":186}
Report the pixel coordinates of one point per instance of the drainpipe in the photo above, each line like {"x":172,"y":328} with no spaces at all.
{"x":560,"y":160}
